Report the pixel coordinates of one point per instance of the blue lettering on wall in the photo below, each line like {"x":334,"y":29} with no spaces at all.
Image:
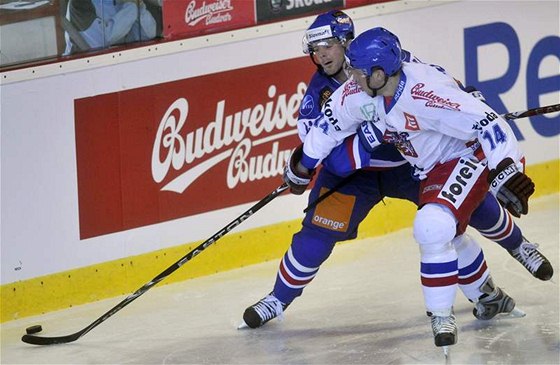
{"x":549,"y":46}
{"x":504,"y":34}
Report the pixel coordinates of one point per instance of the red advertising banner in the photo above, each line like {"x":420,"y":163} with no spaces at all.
{"x":176,"y":149}
{"x":196,"y":17}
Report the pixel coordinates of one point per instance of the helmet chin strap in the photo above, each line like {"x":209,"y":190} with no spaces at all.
{"x":374,"y":91}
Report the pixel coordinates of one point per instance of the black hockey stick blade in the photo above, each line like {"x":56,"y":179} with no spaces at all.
{"x":532,"y":112}
{"x":40,"y":340}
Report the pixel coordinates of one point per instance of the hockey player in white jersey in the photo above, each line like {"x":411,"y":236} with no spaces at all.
{"x":325,"y":41}
{"x":456,"y":144}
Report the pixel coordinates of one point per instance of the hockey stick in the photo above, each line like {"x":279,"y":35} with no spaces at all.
{"x":532,"y":112}
{"x":37,"y":340}
{"x":513,"y":115}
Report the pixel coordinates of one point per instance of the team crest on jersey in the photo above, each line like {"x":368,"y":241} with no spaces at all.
{"x":324,"y":95}
{"x":432,"y":99}
{"x":411,"y":122}
{"x":400,"y":140}
{"x":349,"y":89}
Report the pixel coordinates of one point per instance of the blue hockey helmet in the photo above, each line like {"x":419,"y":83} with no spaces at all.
{"x":333,"y":24}
{"x":375,"y":48}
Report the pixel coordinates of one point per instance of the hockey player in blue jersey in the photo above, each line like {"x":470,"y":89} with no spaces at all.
{"x":382,"y":174}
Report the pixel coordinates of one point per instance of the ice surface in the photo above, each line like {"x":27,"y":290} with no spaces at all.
{"x":364,"y":307}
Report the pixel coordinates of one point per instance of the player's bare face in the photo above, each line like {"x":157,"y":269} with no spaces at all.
{"x":330,"y":55}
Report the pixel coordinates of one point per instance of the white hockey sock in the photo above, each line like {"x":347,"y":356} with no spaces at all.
{"x":472,"y":266}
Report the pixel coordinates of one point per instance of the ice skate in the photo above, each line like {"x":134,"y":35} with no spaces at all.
{"x":444,"y":329}
{"x":534,"y":261}
{"x":494,"y":301}
{"x":263,"y":311}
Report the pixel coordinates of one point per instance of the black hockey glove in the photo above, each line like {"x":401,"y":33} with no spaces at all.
{"x":297,"y":179}
{"x":475,"y":93}
{"x":511,"y":187}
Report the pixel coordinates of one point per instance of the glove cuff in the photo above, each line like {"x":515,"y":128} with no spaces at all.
{"x":498,"y":176}
{"x":297,"y":177}
{"x":295,"y":174}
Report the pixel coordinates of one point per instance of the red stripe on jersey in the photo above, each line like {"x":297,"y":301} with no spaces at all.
{"x":350,"y":149}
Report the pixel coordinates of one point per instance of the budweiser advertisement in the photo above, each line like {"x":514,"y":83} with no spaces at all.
{"x":195,"y":17}
{"x":181,"y":148}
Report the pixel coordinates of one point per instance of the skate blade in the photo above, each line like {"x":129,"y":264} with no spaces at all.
{"x":516,"y":313}
{"x":242,"y":325}
{"x":445,"y":352}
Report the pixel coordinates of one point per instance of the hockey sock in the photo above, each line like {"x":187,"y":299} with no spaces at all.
{"x":300,"y":264}
{"x":472,"y":266}
{"x":496,"y":224}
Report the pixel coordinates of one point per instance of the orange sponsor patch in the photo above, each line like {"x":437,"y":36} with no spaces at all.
{"x":334,"y":212}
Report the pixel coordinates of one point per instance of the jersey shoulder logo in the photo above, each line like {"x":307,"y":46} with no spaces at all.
{"x":411,"y":122}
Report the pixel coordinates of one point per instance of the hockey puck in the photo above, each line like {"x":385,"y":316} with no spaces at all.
{"x":34,"y":329}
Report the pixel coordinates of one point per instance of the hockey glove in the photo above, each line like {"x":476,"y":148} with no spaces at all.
{"x":297,"y":179}
{"x":475,"y":93}
{"x":511,"y":187}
